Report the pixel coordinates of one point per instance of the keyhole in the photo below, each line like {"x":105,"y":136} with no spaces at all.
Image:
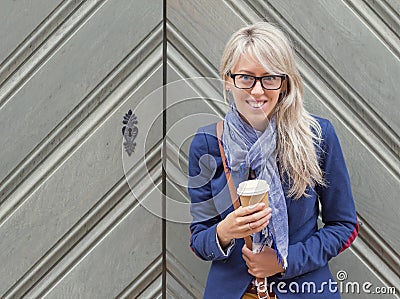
{"x":130,"y":132}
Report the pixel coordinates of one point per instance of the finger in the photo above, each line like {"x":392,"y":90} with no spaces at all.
{"x":243,"y":211}
{"x":269,"y":251}
{"x":246,"y":259}
{"x":251,"y":272}
{"x":260,"y":224}
{"x":245,"y":250}
{"x":258,"y":216}
{"x":255,"y":208}
{"x":244,"y":230}
{"x":262,"y":213}
{"x":242,"y":219}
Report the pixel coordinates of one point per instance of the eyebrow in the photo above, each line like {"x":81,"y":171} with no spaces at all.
{"x":251,"y":73}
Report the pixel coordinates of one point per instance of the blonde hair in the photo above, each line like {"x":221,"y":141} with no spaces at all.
{"x":298,"y":131}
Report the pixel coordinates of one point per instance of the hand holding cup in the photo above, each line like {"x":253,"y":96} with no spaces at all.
{"x":252,"y":217}
{"x":252,"y":192}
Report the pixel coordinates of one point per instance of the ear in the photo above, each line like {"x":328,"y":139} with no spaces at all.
{"x":228,"y":86}
{"x":227,"y":83}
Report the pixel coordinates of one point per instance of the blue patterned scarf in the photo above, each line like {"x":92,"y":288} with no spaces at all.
{"x":247,"y":148}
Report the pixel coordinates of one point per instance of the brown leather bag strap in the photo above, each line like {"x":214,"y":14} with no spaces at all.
{"x":262,"y":288}
{"x":229,"y":180}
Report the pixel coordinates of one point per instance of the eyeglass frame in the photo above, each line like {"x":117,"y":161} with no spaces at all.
{"x":282,"y":76}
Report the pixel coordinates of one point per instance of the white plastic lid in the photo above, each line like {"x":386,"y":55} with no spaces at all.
{"x":252,"y":187}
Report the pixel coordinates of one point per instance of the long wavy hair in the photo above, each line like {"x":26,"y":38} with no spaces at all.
{"x":298,"y":131}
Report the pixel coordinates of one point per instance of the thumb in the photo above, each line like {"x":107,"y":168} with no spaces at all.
{"x":245,"y":250}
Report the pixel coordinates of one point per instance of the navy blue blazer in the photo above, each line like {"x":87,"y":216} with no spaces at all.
{"x":310,"y":247}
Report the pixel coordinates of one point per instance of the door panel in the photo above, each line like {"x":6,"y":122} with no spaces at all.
{"x":347,"y":68}
{"x":71,"y":225}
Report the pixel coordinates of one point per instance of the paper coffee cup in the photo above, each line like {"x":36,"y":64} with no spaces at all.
{"x":252,"y":192}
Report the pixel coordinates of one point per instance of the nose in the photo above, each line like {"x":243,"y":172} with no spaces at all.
{"x":257,"y":89}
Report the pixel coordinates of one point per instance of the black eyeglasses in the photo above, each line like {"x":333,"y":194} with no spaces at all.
{"x":270,"y":82}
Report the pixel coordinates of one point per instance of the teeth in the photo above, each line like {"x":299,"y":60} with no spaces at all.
{"x":256,"y":104}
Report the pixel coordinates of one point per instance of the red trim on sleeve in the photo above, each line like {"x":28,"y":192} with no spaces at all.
{"x":351,"y":238}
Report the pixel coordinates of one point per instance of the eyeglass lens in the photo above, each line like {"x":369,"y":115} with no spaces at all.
{"x":267,"y":82}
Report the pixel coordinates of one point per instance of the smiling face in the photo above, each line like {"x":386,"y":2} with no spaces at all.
{"x":255,"y":105}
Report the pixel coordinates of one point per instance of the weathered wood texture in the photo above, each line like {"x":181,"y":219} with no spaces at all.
{"x":70,"y":225}
{"x":81,"y":219}
{"x":350,"y":68}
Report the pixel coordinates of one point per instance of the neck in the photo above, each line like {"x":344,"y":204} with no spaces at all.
{"x":257,"y":125}
{"x":261,"y":126}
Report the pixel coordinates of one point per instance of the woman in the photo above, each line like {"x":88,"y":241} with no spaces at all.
{"x":268,"y":134}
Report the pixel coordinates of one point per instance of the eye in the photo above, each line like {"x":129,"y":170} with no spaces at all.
{"x":269,"y":78}
{"x":245,"y":77}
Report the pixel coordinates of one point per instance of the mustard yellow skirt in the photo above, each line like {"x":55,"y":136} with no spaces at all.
{"x":249,"y":296}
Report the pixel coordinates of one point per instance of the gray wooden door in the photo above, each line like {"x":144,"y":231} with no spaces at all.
{"x":70,"y":226}
{"x":79,"y":218}
{"x":349,"y":55}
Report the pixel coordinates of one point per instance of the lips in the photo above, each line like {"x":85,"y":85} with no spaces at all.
{"x":256,"y":104}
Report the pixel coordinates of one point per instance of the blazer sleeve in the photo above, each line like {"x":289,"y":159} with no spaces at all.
{"x":202,"y":167}
{"x":338,"y":213}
